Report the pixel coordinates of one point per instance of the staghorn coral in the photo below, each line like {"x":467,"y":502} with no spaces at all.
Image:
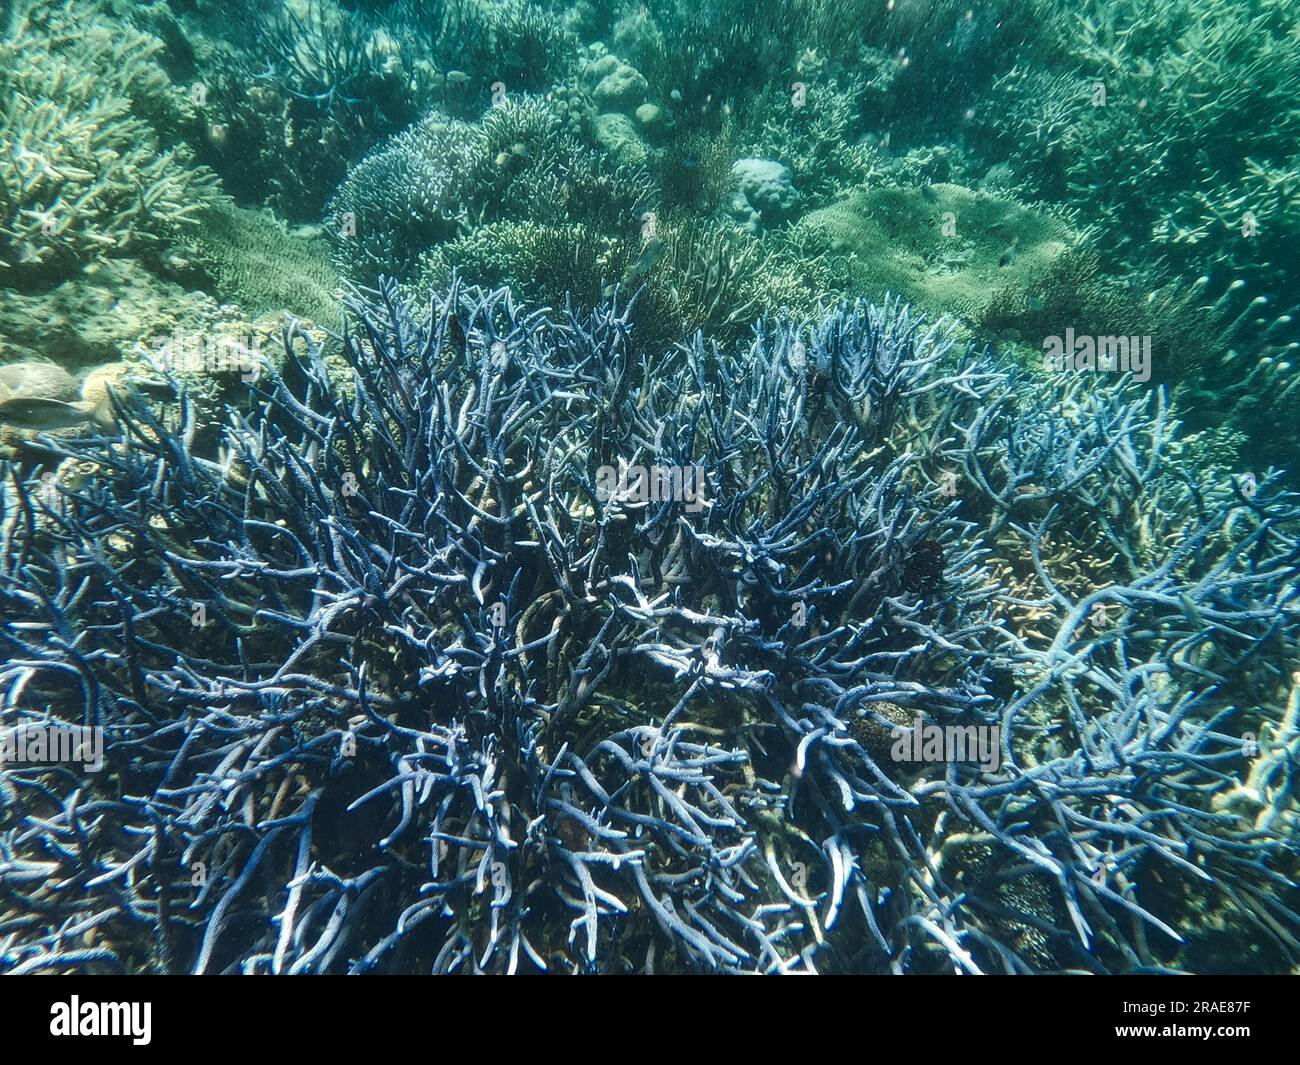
{"x":523,"y":45}
{"x":533,"y":168}
{"x":708,"y":276}
{"x":92,"y":168}
{"x":688,"y":276}
{"x":292,"y":93}
{"x":448,"y":705}
{"x":709,"y":53}
{"x":694,"y":170}
{"x":545,"y":264}
{"x":821,"y":140}
{"x":1143,"y":130}
{"x":1225,"y":349}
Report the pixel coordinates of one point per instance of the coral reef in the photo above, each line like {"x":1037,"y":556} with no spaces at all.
{"x":1146,"y":131}
{"x":292,"y":94}
{"x":395,"y":684}
{"x":674,"y":553}
{"x":405,"y":197}
{"x":824,"y":139}
{"x":545,"y":264}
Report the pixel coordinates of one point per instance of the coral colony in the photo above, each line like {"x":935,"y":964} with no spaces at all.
{"x":648,"y":488}
{"x":390,"y":685}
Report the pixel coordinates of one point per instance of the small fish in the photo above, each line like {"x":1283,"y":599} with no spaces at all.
{"x":502,"y":158}
{"x":456,"y":334}
{"x":928,"y":194}
{"x":455,"y":77}
{"x":649,"y":256}
{"x":30,"y":412}
{"x":675,"y":96}
{"x":1010,"y":255}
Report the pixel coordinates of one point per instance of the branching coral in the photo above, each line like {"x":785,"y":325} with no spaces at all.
{"x":442,"y":177}
{"x":545,"y":264}
{"x":294,"y":93}
{"x":821,"y":138}
{"x":523,"y":45}
{"x":90,"y":169}
{"x":713,"y":278}
{"x":410,"y":194}
{"x":396,"y":684}
{"x":1145,"y":126}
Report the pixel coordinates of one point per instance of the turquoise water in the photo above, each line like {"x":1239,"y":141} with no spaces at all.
{"x":649,"y":487}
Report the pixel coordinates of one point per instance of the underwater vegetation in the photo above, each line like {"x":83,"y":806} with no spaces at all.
{"x":391,"y":683}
